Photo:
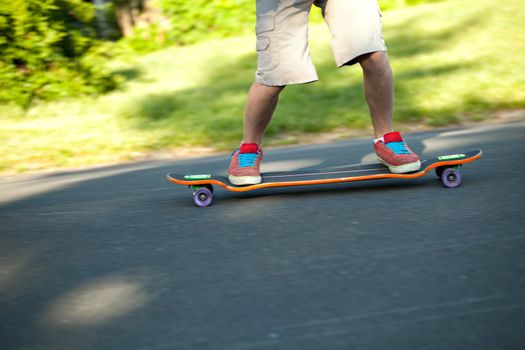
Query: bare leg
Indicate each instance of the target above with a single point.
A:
(258, 111)
(379, 90)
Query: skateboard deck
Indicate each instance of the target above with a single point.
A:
(446, 167)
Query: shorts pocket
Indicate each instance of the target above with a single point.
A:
(262, 43)
(267, 57)
(264, 54)
(264, 24)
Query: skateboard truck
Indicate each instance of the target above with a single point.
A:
(202, 193)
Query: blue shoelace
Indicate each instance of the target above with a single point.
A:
(398, 147)
(247, 159)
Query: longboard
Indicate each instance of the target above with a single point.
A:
(446, 168)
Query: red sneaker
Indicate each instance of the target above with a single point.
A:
(244, 165)
(393, 152)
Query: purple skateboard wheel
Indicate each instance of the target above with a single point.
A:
(202, 197)
(451, 177)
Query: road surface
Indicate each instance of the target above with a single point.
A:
(119, 258)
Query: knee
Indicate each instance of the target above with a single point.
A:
(278, 89)
(375, 62)
(267, 89)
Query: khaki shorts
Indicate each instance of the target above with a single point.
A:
(282, 37)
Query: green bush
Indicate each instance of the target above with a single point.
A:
(49, 51)
(144, 40)
(194, 20)
(393, 4)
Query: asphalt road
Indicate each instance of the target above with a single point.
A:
(119, 258)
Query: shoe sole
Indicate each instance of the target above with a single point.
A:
(401, 169)
(244, 180)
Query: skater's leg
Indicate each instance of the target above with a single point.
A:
(260, 105)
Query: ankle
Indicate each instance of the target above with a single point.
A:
(249, 148)
(379, 134)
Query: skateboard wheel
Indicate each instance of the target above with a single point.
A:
(451, 177)
(203, 197)
(441, 169)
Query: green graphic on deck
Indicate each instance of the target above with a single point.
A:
(451, 157)
(198, 177)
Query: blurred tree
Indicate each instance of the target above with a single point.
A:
(142, 24)
(102, 20)
(48, 51)
(195, 20)
(133, 13)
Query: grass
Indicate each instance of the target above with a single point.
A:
(452, 60)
